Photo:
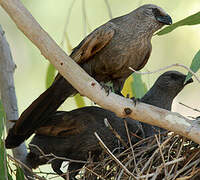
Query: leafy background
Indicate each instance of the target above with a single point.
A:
(33, 74)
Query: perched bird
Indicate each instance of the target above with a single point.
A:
(106, 54)
(71, 134)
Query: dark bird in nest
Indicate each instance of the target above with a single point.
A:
(106, 54)
(71, 134)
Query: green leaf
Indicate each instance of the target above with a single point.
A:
(79, 100)
(19, 174)
(2, 116)
(195, 65)
(68, 43)
(2, 161)
(138, 86)
(190, 20)
(51, 71)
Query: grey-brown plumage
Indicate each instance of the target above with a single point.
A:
(106, 54)
(71, 134)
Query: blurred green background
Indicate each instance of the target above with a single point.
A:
(179, 46)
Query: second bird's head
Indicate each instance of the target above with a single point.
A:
(172, 82)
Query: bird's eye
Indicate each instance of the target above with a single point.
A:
(156, 12)
(173, 76)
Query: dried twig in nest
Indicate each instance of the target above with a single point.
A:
(165, 157)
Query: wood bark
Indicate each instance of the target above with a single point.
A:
(7, 88)
(8, 95)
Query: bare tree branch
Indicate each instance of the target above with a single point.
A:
(88, 86)
(7, 89)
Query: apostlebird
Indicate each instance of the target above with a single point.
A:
(106, 54)
(71, 134)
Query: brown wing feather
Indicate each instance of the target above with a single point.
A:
(60, 125)
(92, 44)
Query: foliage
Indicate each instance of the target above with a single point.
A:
(139, 88)
(4, 173)
(2, 115)
(3, 161)
(51, 71)
(190, 20)
(79, 100)
(19, 174)
(195, 65)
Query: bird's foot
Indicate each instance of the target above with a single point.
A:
(119, 93)
(106, 87)
(135, 100)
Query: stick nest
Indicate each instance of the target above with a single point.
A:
(160, 157)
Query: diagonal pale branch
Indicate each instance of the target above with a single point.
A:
(88, 86)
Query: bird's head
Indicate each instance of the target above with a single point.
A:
(165, 89)
(172, 82)
(156, 13)
(154, 17)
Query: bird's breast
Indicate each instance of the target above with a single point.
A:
(121, 53)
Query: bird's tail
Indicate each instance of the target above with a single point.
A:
(36, 114)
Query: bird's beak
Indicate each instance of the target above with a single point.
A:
(189, 81)
(164, 19)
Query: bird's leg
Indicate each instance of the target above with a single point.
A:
(135, 100)
(108, 87)
(118, 86)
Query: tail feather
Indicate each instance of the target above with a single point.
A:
(34, 116)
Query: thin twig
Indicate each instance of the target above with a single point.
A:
(84, 19)
(155, 152)
(197, 110)
(161, 153)
(47, 156)
(179, 152)
(129, 139)
(115, 133)
(113, 157)
(25, 167)
(99, 176)
(67, 21)
(185, 168)
(167, 67)
(109, 9)
(174, 161)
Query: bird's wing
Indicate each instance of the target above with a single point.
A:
(61, 125)
(92, 44)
